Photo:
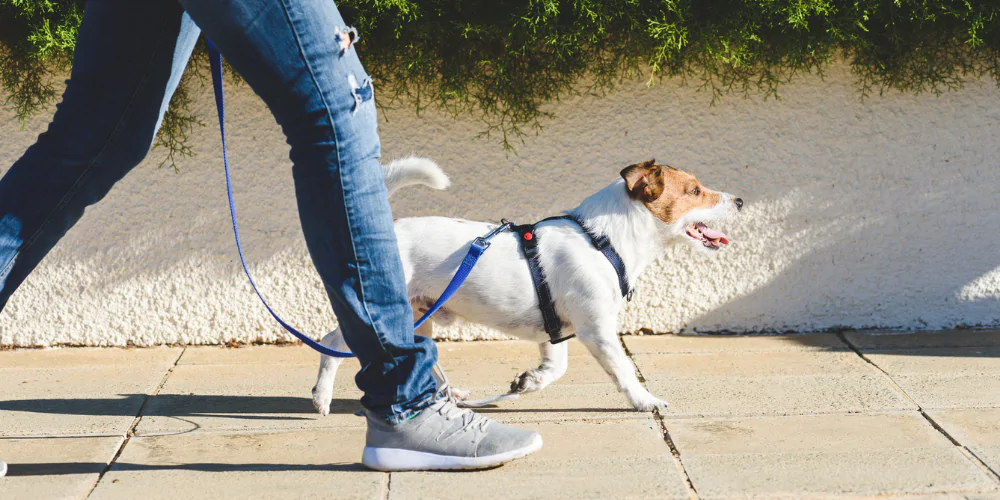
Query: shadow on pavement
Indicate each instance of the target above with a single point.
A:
(179, 405)
(68, 468)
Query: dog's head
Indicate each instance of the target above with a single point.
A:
(676, 198)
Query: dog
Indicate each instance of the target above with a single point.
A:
(650, 207)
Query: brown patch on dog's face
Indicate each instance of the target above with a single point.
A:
(667, 192)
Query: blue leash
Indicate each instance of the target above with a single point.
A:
(479, 245)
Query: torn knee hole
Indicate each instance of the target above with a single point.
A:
(346, 37)
(362, 93)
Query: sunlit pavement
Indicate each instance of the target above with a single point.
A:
(852, 414)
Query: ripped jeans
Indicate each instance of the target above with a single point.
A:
(297, 55)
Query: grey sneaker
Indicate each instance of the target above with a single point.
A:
(442, 437)
(3, 468)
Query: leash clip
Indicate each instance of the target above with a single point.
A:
(484, 241)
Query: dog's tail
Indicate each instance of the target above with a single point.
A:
(411, 171)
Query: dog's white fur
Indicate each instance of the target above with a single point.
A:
(499, 293)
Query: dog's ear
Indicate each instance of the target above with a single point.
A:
(644, 181)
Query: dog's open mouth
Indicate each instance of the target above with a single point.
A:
(709, 237)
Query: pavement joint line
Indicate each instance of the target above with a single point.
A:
(658, 416)
(135, 422)
(993, 475)
(386, 491)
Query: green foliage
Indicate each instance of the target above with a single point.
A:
(502, 60)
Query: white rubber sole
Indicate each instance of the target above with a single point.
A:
(3, 468)
(395, 460)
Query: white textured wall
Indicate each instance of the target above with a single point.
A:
(882, 213)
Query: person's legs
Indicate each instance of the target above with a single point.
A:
(289, 51)
(290, 54)
(129, 58)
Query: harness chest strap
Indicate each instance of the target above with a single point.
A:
(529, 247)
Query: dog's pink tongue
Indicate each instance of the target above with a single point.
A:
(713, 234)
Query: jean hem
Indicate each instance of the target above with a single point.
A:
(400, 415)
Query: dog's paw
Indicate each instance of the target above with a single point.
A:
(650, 404)
(321, 400)
(460, 394)
(528, 381)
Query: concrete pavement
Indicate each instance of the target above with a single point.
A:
(826, 415)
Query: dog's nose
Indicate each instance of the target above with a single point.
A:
(739, 203)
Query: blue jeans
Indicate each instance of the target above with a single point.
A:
(129, 59)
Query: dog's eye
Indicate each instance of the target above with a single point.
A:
(695, 192)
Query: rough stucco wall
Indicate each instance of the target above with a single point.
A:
(879, 213)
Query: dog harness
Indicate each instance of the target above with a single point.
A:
(528, 239)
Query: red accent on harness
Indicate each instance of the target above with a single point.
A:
(527, 236)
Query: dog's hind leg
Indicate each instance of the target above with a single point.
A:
(322, 392)
(604, 344)
(555, 359)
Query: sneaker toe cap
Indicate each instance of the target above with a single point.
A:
(508, 440)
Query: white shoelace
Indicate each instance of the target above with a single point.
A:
(447, 406)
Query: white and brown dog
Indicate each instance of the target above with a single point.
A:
(650, 207)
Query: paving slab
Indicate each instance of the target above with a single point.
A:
(911, 340)
(293, 354)
(945, 377)
(721, 396)
(208, 397)
(465, 370)
(767, 383)
(962, 360)
(65, 357)
(822, 454)
(873, 472)
(751, 364)
(76, 400)
(616, 459)
(54, 467)
(977, 429)
(585, 402)
(670, 344)
(298, 464)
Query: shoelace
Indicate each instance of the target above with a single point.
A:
(447, 406)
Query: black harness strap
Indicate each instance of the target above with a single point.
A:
(528, 240)
(529, 246)
(603, 243)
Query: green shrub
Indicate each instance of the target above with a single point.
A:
(502, 60)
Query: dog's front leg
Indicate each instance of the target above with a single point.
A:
(603, 343)
(555, 359)
(322, 392)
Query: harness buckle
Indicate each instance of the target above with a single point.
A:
(602, 242)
